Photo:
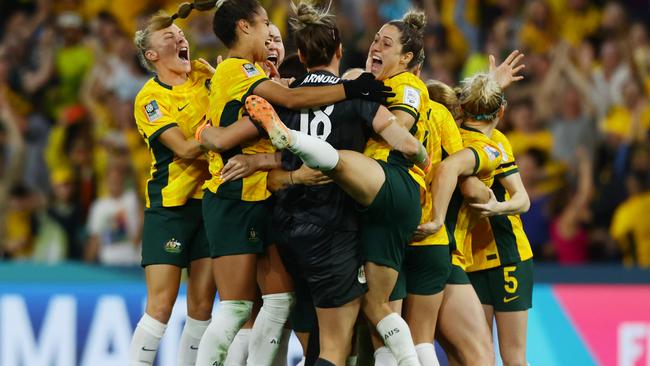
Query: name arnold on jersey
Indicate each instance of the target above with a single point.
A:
(321, 79)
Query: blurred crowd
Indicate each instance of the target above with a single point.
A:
(73, 166)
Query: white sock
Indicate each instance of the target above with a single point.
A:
(384, 357)
(351, 361)
(228, 319)
(397, 337)
(238, 351)
(302, 362)
(266, 334)
(190, 338)
(281, 356)
(427, 354)
(145, 341)
(314, 152)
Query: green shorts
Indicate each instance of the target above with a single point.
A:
(235, 227)
(174, 235)
(457, 276)
(427, 269)
(387, 225)
(506, 288)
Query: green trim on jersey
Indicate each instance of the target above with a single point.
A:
(477, 164)
(452, 216)
(166, 86)
(504, 236)
(505, 174)
(160, 131)
(163, 158)
(398, 107)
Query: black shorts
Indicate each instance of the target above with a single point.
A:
(329, 261)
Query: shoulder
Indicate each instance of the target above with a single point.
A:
(148, 91)
(238, 68)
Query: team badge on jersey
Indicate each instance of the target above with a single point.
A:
(491, 152)
(250, 70)
(173, 246)
(411, 97)
(153, 112)
(504, 155)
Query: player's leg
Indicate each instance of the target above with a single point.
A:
(201, 290)
(462, 323)
(383, 355)
(163, 264)
(278, 298)
(336, 326)
(231, 227)
(162, 289)
(427, 269)
(511, 329)
(513, 290)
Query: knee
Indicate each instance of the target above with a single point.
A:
(278, 305)
(200, 309)
(160, 310)
(515, 356)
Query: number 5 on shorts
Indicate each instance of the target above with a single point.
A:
(510, 280)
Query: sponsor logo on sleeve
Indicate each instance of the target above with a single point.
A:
(491, 152)
(152, 110)
(411, 97)
(250, 70)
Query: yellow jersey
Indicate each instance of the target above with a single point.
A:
(631, 231)
(158, 107)
(498, 240)
(412, 97)
(460, 218)
(437, 116)
(234, 80)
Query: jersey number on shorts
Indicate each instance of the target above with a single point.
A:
(511, 283)
(316, 122)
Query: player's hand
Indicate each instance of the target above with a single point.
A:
(506, 72)
(490, 208)
(309, 177)
(207, 64)
(426, 229)
(367, 87)
(239, 166)
(271, 71)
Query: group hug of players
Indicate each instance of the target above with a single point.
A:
(325, 203)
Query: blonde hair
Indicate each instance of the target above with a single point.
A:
(162, 20)
(444, 94)
(481, 97)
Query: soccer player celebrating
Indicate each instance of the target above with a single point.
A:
(168, 110)
(238, 211)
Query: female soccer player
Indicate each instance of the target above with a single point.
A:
(502, 266)
(385, 186)
(236, 212)
(168, 109)
(459, 328)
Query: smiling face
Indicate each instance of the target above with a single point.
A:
(385, 57)
(276, 46)
(169, 50)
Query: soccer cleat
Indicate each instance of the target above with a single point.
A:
(262, 113)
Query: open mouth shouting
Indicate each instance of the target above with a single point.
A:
(376, 64)
(273, 58)
(184, 54)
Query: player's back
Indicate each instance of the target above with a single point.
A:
(346, 125)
